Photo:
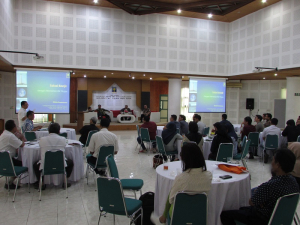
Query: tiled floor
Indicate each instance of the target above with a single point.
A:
(81, 207)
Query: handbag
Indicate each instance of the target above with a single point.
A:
(157, 160)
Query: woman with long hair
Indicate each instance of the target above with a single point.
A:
(169, 136)
(193, 135)
(194, 178)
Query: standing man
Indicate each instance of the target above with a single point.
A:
(28, 124)
(22, 113)
(259, 125)
(146, 112)
(184, 126)
(201, 125)
(84, 131)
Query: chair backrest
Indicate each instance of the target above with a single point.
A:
(225, 150)
(110, 195)
(271, 141)
(145, 135)
(105, 150)
(244, 141)
(189, 208)
(30, 135)
(138, 130)
(160, 145)
(284, 210)
(6, 165)
(246, 149)
(254, 137)
(89, 137)
(298, 139)
(206, 131)
(54, 162)
(65, 135)
(187, 142)
(112, 167)
(177, 130)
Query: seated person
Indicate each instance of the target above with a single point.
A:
(271, 130)
(90, 109)
(146, 112)
(51, 142)
(290, 131)
(28, 124)
(263, 200)
(264, 118)
(101, 113)
(184, 126)
(259, 125)
(201, 125)
(126, 110)
(103, 137)
(295, 148)
(228, 126)
(84, 131)
(169, 137)
(9, 142)
(152, 127)
(246, 127)
(268, 118)
(173, 119)
(193, 135)
(221, 137)
(194, 178)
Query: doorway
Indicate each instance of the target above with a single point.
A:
(163, 108)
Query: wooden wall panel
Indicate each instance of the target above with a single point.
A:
(157, 88)
(73, 100)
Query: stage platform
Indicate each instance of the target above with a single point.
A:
(114, 126)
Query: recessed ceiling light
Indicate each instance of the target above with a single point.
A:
(150, 78)
(73, 73)
(178, 10)
(112, 73)
(95, 1)
(264, 78)
(84, 75)
(144, 75)
(104, 76)
(275, 74)
(210, 15)
(133, 78)
(263, 1)
(182, 76)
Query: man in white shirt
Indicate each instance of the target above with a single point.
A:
(271, 130)
(201, 125)
(22, 113)
(9, 142)
(103, 137)
(51, 142)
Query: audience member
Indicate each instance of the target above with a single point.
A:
(264, 117)
(28, 124)
(146, 112)
(193, 135)
(221, 137)
(259, 125)
(295, 148)
(194, 178)
(264, 198)
(228, 126)
(201, 125)
(151, 126)
(9, 142)
(103, 137)
(290, 131)
(271, 130)
(246, 130)
(51, 142)
(298, 125)
(173, 119)
(22, 114)
(184, 126)
(101, 113)
(298, 121)
(268, 118)
(84, 131)
(169, 136)
(90, 109)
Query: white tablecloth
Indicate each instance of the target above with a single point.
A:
(159, 130)
(70, 132)
(30, 154)
(206, 147)
(224, 195)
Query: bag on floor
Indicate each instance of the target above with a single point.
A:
(157, 160)
(148, 208)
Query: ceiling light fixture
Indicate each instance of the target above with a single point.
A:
(133, 78)
(104, 76)
(182, 77)
(178, 10)
(144, 75)
(275, 74)
(150, 78)
(210, 15)
(73, 73)
(263, 1)
(112, 73)
(84, 75)
(95, 1)
(264, 78)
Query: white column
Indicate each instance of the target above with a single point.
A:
(174, 97)
(292, 101)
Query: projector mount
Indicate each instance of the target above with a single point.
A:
(36, 57)
(260, 69)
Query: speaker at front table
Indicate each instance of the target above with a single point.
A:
(250, 103)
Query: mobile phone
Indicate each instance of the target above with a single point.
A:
(224, 177)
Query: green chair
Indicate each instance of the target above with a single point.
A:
(284, 210)
(243, 144)
(65, 135)
(7, 169)
(189, 208)
(87, 143)
(145, 137)
(205, 131)
(111, 200)
(244, 141)
(127, 184)
(161, 148)
(242, 156)
(271, 143)
(54, 163)
(105, 150)
(225, 150)
(139, 136)
(254, 137)
(177, 131)
(298, 139)
(30, 136)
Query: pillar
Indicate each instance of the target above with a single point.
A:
(292, 98)
(174, 97)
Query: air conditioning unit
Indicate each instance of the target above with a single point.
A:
(234, 85)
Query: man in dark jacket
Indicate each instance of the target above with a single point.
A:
(84, 131)
(228, 126)
(291, 131)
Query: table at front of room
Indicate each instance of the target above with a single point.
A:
(224, 194)
(71, 134)
(31, 153)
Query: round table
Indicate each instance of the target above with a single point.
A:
(224, 194)
(71, 133)
(31, 153)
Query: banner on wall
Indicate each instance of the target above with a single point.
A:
(114, 98)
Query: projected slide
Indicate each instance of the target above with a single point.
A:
(45, 91)
(207, 95)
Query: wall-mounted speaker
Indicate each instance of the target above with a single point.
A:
(249, 103)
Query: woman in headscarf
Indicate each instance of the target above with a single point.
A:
(169, 136)
(193, 135)
(221, 137)
(295, 148)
